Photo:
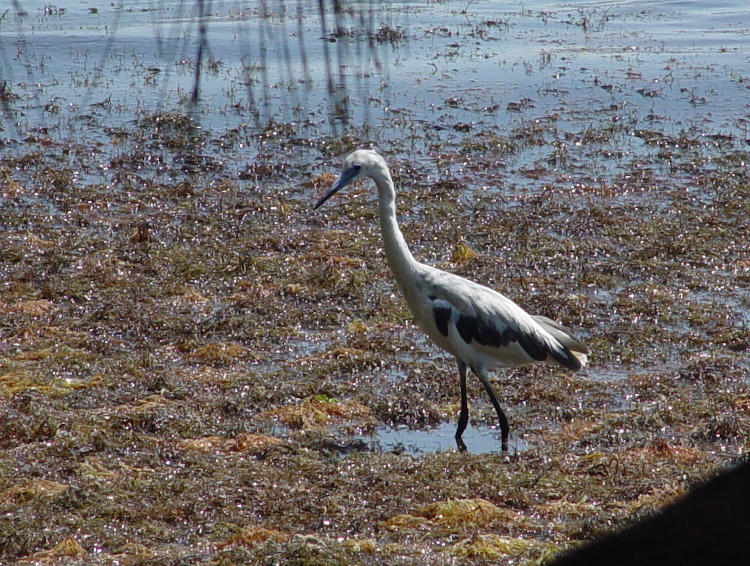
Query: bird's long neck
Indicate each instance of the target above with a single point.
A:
(401, 261)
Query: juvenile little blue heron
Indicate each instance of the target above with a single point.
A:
(479, 326)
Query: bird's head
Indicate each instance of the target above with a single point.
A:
(358, 165)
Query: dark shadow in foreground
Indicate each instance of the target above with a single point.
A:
(710, 525)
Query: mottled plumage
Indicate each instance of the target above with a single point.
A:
(479, 326)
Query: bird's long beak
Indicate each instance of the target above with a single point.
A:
(347, 176)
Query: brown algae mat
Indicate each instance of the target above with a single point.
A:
(188, 368)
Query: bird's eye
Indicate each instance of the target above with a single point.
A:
(356, 167)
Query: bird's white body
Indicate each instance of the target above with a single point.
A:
(480, 327)
(437, 289)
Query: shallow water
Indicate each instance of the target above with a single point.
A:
(81, 71)
(403, 439)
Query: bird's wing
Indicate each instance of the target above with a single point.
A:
(493, 320)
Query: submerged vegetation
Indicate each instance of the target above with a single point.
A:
(195, 368)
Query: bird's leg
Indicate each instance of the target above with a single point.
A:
(504, 428)
(463, 417)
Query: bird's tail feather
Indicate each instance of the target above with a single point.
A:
(577, 349)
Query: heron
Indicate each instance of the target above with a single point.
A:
(481, 328)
